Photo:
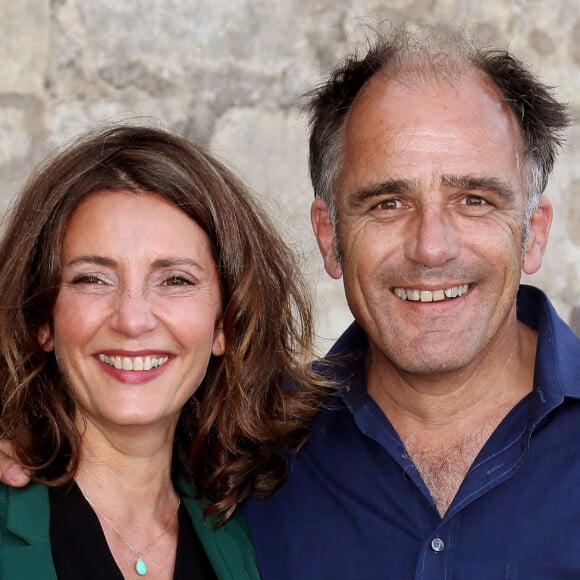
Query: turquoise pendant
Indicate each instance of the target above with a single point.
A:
(140, 566)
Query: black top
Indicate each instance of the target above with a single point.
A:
(80, 550)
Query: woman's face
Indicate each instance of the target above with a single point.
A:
(137, 316)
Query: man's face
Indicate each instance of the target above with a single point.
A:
(431, 208)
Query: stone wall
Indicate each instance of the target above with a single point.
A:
(229, 74)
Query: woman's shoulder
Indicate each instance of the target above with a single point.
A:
(24, 505)
(24, 533)
(33, 496)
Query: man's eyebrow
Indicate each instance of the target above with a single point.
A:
(402, 186)
(389, 187)
(477, 183)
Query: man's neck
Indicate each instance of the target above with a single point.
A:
(445, 420)
(502, 375)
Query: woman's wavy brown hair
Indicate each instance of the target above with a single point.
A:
(256, 401)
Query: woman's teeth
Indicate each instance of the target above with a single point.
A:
(134, 363)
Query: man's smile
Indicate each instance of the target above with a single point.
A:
(418, 295)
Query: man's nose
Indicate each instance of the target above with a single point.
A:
(433, 240)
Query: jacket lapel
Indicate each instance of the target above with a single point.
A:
(28, 520)
(228, 547)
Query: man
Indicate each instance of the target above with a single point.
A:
(453, 450)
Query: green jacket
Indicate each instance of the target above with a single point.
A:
(25, 552)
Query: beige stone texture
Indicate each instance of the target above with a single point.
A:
(24, 45)
(281, 182)
(229, 74)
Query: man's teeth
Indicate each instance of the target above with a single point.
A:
(430, 295)
(133, 363)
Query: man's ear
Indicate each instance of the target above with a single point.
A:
(538, 239)
(45, 338)
(324, 232)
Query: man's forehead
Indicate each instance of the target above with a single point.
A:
(431, 106)
(431, 133)
(428, 80)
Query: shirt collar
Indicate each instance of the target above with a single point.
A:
(557, 368)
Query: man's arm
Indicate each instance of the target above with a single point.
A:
(11, 472)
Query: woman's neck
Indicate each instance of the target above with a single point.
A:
(126, 478)
(125, 469)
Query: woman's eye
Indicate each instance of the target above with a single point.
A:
(87, 279)
(178, 281)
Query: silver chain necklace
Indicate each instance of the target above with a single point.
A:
(140, 565)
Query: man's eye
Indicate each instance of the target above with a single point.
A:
(473, 200)
(391, 203)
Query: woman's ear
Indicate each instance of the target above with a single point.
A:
(219, 340)
(45, 338)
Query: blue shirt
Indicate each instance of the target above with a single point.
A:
(355, 507)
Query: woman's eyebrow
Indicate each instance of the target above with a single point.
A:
(93, 260)
(173, 262)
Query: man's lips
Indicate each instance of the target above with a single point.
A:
(421, 295)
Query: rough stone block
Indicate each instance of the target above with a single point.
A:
(24, 45)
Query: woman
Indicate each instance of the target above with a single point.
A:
(149, 313)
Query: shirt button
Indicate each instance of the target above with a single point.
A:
(437, 544)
